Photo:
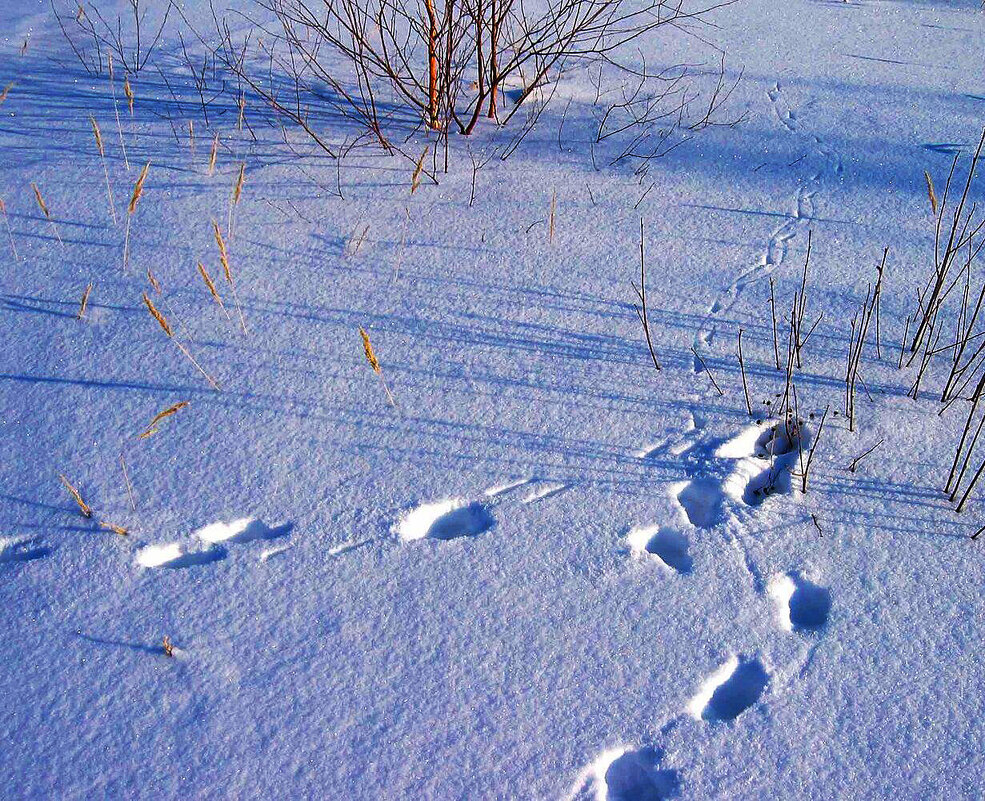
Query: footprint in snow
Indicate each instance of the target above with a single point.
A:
(453, 518)
(207, 544)
(803, 605)
(543, 490)
(701, 501)
(21, 549)
(627, 774)
(246, 529)
(730, 690)
(173, 556)
(668, 546)
(765, 455)
(445, 520)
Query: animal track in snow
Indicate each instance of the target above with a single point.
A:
(21, 549)
(730, 690)
(802, 212)
(651, 450)
(748, 468)
(627, 774)
(670, 547)
(701, 501)
(803, 605)
(177, 555)
(539, 489)
(445, 520)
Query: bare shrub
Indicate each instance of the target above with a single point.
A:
(390, 66)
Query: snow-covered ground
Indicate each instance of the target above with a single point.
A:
(548, 571)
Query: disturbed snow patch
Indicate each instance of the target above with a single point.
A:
(764, 455)
(545, 490)
(212, 537)
(445, 520)
(172, 555)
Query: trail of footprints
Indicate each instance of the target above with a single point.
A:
(629, 773)
(724, 477)
(727, 479)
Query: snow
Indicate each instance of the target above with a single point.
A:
(548, 570)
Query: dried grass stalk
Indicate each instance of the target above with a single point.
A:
(368, 349)
(212, 289)
(237, 193)
(41, 204)
(47, 214)
(84, 303)
(161, 319)
(152, 426)
(223, 253)
(239, 183)
(355, 241)
(128, 92)
(224, 260)
(123, 532)
(213, 154)
(126, 481)
(77, 497)
(931, 193)
(99, 136)
(102, 158)
(10, 233)
(550, 230)
(6, 91)
(166, 327)
(375, 363)
(116, 109)
(415, 180)
(138, 192)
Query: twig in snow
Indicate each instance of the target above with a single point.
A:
(641, 310)
(858, 459)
